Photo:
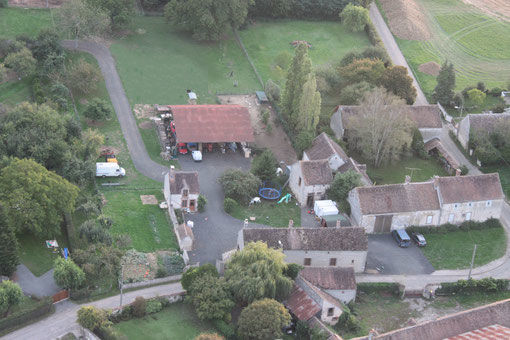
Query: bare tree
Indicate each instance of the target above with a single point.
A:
(381, 130)
(80, 20)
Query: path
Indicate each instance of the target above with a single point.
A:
(393, 50)
(136, 147)
(64, 318)
(43, 285)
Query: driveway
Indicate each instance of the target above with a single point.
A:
(215, 231)
(43, 285)
(385, 254)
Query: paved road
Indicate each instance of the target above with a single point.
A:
(41, 286)
(136, 147)
(394, 52)
(64, 318)
(454, 151)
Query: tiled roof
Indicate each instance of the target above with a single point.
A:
(334, 278)
(301, 305)
(316, 172)
(425, 116)
(351, 164)
(398, 198)
(184, 179)
(493, 332)
(323, 147)
(212, 123)
(436, 143)
(452, 325)
(487, 122)
(323, 239)
(473, 188)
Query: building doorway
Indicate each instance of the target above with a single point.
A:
(192, 205)
(383, 223)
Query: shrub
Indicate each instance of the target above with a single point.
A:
(448, 227)
(153, 306)
(98, 109)
(229, 205)
(139, 307)
(466, 90)
(496, 92)
(354, 17)
(178, 215)
(468, 287)
(202, 201)
(4, 3)
(378, 287)
(239, 185)
(193, 273)
(91, 317)
(347, 322)
(170, 264)
(106, 332)
(226, 329)
(273, 91)
(264, 116)
(464, 170)
(263, 319)
(373, 36)
(26, 315)
(67, 274)
(498, 108)
(264, 166)
(481, 86)
(293, 270)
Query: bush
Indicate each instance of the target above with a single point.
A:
(464, 170)
(170, 264)
(496, 92)
(178, 215)
(239, 185)
(202, 201)
(481, 86)
(193, 273)
(225, 329)
(273, 91)
(106, 332)
(153, 306)
(229, 205)
(98, 109)
(373, 36)
(4, 3)
(293, 270)
(498, 108)
(91, 317)
(466, 90)
(448, 227)
(468, 287)
(347, 322)
(378, 287)
(264, 116)
(25, 316)
(139, 307)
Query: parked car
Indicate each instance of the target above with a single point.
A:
(403, 240)
(419, 239)
(182, 148)
(109, 170)
(197, 155)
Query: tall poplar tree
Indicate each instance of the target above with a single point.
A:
(309, 105)
(443, 92)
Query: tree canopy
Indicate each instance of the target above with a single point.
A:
(35, 199)
(211, 298)
(264, 166)
(67, 274)
(355, 18)
(256, 272)
(80, 19)
(444, 90)
(343, 183)
(8, 246)
(10, 295)
(239, 185)
(263, 319)
(21, 62)
(396, 80)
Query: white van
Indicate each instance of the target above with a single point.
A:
(109, 170)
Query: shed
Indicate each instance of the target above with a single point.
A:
(325, 207)
(261, 96)
(331, 221)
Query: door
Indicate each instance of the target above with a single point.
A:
(383, 223)
(191, 205)
(309, 200)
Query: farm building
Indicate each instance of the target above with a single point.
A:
(182, 189)
(480, 123)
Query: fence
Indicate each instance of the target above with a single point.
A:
(446, 116)
(62, 295)
(152, 282)
(240, 42)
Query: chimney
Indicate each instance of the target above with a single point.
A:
(291, 223)
(457, 172)
(407, 180)
(338, 224)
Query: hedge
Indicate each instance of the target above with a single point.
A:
(378, 287)
(225, 329)
(448, 227)
(467, 287)
(19, 318)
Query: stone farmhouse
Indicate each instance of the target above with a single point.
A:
(312, 176)
(441, 200)
(426, 117)
(316, 291)
(484, 122)
(491, 321)
(313, 247)
(182, 189)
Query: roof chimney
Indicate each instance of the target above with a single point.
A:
(291, 223)
(407, 180)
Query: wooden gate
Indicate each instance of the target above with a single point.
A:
(62, 295)
(383, 223)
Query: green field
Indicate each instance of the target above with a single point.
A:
(330, 41)
(270, 213)
(178, 321)
(35, 255)
(157, 65)
(14, 92)
(396, 171)
(453, 250)
(476, 44)
(21, 21)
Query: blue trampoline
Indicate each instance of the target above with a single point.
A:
(270, 191)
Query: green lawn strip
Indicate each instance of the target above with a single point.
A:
(330, 41)
(178, 321)
(35, 255)
(453, 250)
(15, 92)
(504, 175)
(395, 172)
(151, 140)
(147, 225)
(157, 65)
(23, 21)
(469, 107)
(468, 301)
(270, 213)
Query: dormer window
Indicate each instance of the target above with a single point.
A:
(185, 192)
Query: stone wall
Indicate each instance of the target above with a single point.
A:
(354, 259)
(152, 282)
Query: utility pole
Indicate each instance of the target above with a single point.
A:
(472, 262)
(120, 285)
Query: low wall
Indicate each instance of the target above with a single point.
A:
(315, 322)
(152, 282)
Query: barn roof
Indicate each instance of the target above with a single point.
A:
(334, 278)
(212, 123)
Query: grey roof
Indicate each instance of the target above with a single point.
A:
(184, 179)
(473, 188)
(487, 122)
(316, 172)
(323, 147)
(334, 278)
(324, 239)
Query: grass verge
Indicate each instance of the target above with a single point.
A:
(270, 213)
(453, 250)
(23, 21)
(35, 255)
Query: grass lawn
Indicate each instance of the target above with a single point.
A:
(476, 44)
(270, 213)
(14, 92)
(454, 250)
(147, 225)
(17, 21)
(35, 255)
(266, 39)
(397, 171)
(178, 321)
(469, 107)
(157, 65)
(468, 301)
(504, 175)
(151, 140)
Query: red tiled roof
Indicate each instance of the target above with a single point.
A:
(316, 172)
(335, 278)
(301, 305)
(324, 147)
(212, 123)
(494, 332)
(471, 188)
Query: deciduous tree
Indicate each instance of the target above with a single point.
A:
(79, 19)
(35, 199)
(355, 17)
(10, 295)
(256, 272)
(396, 80)
(98, 109)
(83, 77)
(263, 319)
(309, 106)
(120, 12)
(100, 263)
(369, 70)
(444, 90)
(381, 129)
(211, 298)
(239, 185)
(67, 274)
(22, 62)
(8, 246)
(476, 96)
(353, 94)
(343, 183)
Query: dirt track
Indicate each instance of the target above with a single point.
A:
(496, 8)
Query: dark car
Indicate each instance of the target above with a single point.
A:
(401, 238)
(419, 239)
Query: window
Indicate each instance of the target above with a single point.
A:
(455, 206)
(331, 311)
(299, 182)
(451, 218)
(352, 262)
(308, 261)
(468, 216)
(470, 204)
(429, 219)
(332, 261)
(488, 203)
(185, 192)
(184, 204)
